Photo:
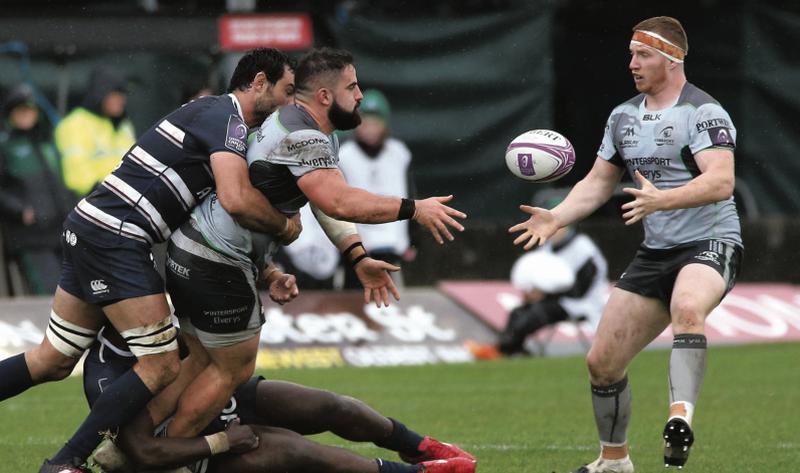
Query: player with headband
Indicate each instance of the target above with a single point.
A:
(677, 143)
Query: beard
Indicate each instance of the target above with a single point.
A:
(341, 119)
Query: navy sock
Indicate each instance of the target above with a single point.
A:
(401, 440)
(385, 466)
(15, 375)
(118, 404)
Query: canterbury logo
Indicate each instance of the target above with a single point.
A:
(98, 286)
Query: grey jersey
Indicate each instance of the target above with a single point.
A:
(661, 145)
(286, 146)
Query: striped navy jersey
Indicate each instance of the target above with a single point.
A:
(166, 173)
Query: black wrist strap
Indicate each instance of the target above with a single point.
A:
(407, 209)
(359, 258)
(352, 247)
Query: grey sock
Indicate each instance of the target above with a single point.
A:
(612, 411)
(687, 367)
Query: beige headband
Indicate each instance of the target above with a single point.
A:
(661, 44)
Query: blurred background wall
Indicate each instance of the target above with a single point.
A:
(464, 77)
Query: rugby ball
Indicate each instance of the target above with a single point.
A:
(540, 156)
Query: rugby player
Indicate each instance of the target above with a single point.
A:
(108, 271)
(677, 142)
(293, 159)
(276, 415)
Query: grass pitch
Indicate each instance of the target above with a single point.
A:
(522, 415)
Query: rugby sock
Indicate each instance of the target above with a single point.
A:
(612, 410)
(687, 368)
(401, 440)
(15, 375)
(116, 406)
(385, 466)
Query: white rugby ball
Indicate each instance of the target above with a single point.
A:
(540, 156)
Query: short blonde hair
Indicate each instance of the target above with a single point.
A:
(668, 27)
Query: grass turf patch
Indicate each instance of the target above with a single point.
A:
(521, 415)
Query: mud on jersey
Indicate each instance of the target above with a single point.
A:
(661, 145)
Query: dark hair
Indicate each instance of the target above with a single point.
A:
(667, 27)
(270, 61)
(316, 67)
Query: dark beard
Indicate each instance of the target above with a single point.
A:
(341, 119)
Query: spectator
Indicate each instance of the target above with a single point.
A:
(33, 199)
(374, 161)
(564, 279)
(95, 136)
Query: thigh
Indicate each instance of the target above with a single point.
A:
(291, 406)
(698, 289)
(629, 323)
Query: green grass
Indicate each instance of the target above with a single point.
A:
(531, 415)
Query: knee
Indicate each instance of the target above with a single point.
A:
(687, 317)
(602, 370)
(49, 365)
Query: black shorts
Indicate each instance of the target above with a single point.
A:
(652, 273)
(106, 268)
(215, 293)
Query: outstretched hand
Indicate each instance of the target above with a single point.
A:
(433, 214)
(646, 200)
(538, 228)
(374, 276)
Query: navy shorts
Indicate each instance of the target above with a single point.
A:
(105, 268)
(652, 273)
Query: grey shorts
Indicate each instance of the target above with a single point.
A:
(214, 296)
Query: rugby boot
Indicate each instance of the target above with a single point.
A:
(451, 465)
(432, 449)
(678, 439)
(48, 467)
(604, 465)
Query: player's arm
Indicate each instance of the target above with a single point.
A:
(244, 202)
(373, 274)
(585, 197)
(715, 183)
(327, 189)
(150, 452)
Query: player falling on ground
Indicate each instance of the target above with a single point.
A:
(274, 416)
(108, 272)
(212, 261)
(677, 142)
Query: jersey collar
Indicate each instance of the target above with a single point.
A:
(237, 105)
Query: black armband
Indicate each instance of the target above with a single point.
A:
(408, 208)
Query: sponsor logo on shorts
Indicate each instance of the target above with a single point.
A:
(177, 269)
(709, 256)
(226, 316)
(236, 138)
(70, 238)
(98, 286)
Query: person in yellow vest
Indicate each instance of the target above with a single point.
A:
(95, 136)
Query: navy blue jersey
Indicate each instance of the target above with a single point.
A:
(166, 173)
